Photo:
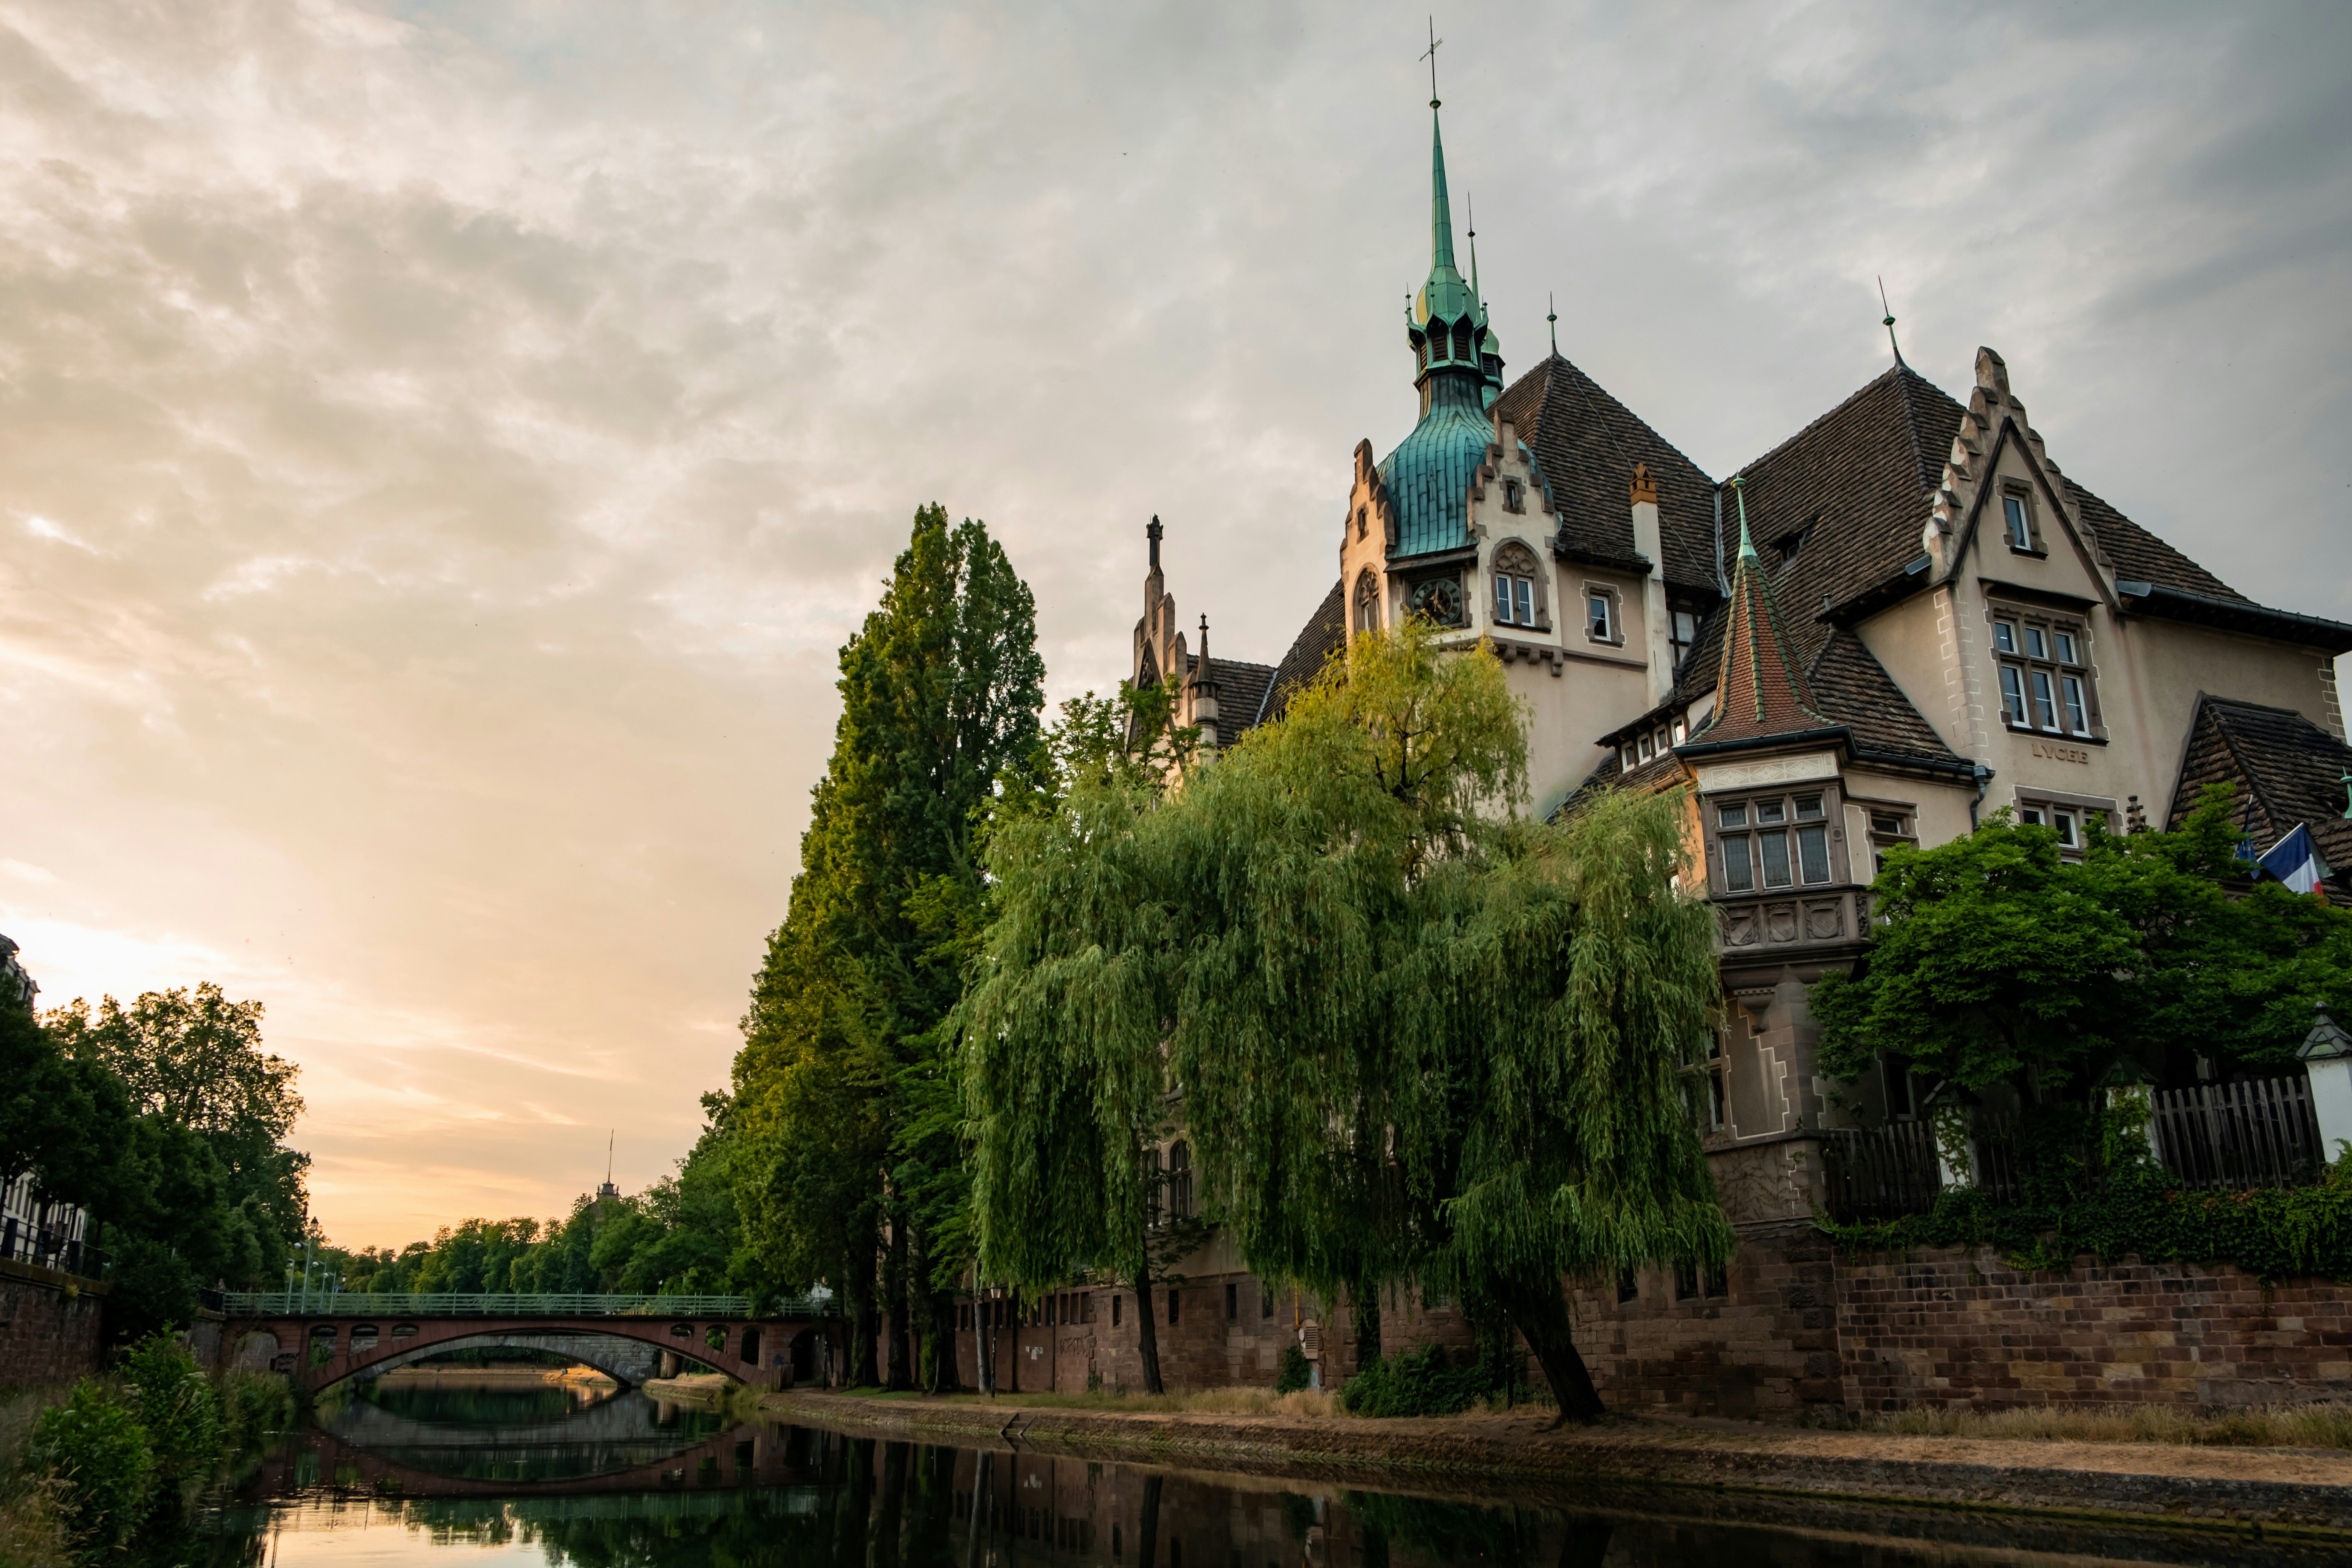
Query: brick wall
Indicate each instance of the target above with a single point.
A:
(52, 1327)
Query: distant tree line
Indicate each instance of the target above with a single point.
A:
(167, 1119)
(677, 1237)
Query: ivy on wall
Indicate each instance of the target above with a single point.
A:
(2274, 1233)
(2090, 1187)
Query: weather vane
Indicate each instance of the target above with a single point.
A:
(1889, 324)
(1431, 58)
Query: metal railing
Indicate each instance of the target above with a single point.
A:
(1883, 1173)
(47, 1248)
(453, 1304)
(2260, 1132)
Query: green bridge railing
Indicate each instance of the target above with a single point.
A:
(353, 1304)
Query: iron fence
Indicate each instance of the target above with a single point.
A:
(453, 1304)
(2260, 1132)
(47, 1247)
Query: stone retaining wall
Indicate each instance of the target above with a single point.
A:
(52, 1326)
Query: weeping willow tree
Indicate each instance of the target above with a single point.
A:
(1412, 1035)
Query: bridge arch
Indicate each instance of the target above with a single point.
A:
(626, 1349)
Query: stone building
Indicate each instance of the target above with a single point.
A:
(1902, 618)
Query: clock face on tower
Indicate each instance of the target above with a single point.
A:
(1439, 598)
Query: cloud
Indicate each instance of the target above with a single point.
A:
(448, 442)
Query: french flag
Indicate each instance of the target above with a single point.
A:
(2295, 861)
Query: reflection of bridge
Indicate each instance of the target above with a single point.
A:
(651, 1464)
(321, 1339)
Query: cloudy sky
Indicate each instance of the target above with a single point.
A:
(441, 447)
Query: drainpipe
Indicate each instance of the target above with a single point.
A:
(1984, 777)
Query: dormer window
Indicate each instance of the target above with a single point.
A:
(1682, 633)
(1641, 748)
(2017, 522)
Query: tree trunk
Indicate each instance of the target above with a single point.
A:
(947, 1377)
(864, 1329)
(1146, 1549)
(1147, 1333)
(1543, 1316)
(1364, 1303)
(898, 1375)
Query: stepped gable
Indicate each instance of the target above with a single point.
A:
(1761, 689)
(1587, 444)
(2287, 766)
(1325, 633)
(1240, 692)
(2139, 556)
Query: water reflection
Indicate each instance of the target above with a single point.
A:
(644, 1486)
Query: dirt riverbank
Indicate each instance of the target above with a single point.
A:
(2300, 1491)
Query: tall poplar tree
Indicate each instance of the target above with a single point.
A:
(1411, 1033)
(841, 1173)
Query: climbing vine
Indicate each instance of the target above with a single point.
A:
(2141, 1208)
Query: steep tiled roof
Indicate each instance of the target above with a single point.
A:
(1855, 690)
(1241, 691)
(1326, 632)
(1851, 491)
(2285, 765)
(2140, 556)
(1588, 443)
(1660, 772)
(1760, 685)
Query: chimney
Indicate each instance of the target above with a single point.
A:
(1648, 543)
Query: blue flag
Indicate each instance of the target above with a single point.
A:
(2295, 860)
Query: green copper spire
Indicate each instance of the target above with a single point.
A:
(1747, 545)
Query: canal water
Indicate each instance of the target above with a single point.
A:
(455, 1474)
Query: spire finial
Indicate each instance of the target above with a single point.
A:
(1889, 324)
(1153, 533)
(1478, 298)
(1205, 648)
(1431, 58)
(1551, 314)
(1739, 494)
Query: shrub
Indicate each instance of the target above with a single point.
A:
(253, 1405)
(179, 1409)
(99, 1450)
(1294, 1373)
(1423, 1383)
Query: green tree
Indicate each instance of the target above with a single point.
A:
(1998, 959)
(1415, 1036)
(837, 1088)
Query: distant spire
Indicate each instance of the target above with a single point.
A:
(1889, 324)
(1205, 648)
(1151, 532)
(1551, 310)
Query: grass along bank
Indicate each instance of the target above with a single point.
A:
(2327, 1425)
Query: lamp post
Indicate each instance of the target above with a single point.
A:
(2327, 1056)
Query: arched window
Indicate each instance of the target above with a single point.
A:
(1368, 603)
(1519, 596)
(1179, 1180)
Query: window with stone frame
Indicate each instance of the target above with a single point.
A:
(1890, 826)
(1704, 1081)
(1368, 603)
(1179, 1180)
(1769, 842)
(2019, 525)
(1603, 622)
(1514, 496)
(1519, 596)
(2043, 657)
(2069, 820)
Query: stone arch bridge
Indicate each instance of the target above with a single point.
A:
(321, 1340)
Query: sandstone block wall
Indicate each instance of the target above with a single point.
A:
(52, 1327)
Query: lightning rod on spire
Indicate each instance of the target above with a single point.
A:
(1551, 314)
(1889, 324)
